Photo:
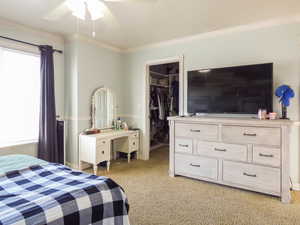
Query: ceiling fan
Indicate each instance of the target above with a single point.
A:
(84, 9)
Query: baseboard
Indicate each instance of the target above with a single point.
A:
(84, 166)
(296, 187)
(158, 146)
(73, 166)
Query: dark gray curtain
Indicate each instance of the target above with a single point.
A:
(47, 146)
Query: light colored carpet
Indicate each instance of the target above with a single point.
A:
(156, 198)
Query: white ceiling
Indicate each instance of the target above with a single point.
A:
(134, 24)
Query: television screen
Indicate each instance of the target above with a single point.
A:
(232, 90)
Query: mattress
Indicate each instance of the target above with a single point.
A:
(36, 192)
(18, 162)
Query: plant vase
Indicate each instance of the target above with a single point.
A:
(284, 112)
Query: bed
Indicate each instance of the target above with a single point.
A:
(35, 192)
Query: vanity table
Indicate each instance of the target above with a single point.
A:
(97, 148)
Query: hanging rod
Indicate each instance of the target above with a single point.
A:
(27, 43)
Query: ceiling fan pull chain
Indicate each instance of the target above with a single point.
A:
(94, 29)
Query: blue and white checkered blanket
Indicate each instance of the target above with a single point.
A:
(56, 195)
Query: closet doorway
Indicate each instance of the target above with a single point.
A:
(164, 99)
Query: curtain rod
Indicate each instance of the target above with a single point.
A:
(27, 43)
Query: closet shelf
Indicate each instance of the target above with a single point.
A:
(162, 76)
(159, 74)
(159, 85)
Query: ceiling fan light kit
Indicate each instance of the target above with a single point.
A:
(80, 8)
(86, 10)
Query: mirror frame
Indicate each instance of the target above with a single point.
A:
(93, 108)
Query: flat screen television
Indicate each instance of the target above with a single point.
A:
(231, 90)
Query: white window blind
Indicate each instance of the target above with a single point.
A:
(19, 96)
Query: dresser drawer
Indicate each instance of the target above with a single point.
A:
(252, 176)
(199, 131)
(196, 167)
(251, 135)
(184, 145)
(267, 156)
(221, 150)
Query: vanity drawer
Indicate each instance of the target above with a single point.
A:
(196, 167)
(220, 150)
(251, 135)
(134, 135)
(102, 153)
(199, 131)
(252, 176)
(134, 143)
(267, 156)
(184, 145)
(100, 142)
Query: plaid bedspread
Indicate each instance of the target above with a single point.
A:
(56, 195)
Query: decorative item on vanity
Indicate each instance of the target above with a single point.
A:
(91, 131)
(284, 93)
(124, 126)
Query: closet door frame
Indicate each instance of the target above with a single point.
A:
(145, 154)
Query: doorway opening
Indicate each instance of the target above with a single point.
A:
(163, 102)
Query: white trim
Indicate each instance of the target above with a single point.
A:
(57, 38)
(130, 116)
(74, 118)
(37, 31)
(224, 31)
(98, 43)
(18, 49)
(18, 143)
(146, 139)
(71, 165)
(296, 187)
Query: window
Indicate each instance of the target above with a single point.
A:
(19, 96)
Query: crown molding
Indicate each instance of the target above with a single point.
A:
(49, 36)
(101, 44)
(230, 30)
(53, 37)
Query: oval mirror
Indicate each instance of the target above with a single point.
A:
(102, 108)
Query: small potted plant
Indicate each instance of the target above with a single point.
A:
(284, 93)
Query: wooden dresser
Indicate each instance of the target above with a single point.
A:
(246, 153)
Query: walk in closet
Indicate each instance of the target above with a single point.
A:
(164, 101)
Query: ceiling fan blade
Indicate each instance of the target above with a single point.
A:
(58, 12)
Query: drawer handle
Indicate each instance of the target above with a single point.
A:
(102, 152)
(220, 150)
(133, 143)
(103, 142)
(265, 155)
(185, 146)
(249, 175)
(194, 165)
(196, 131)
(251, 135)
